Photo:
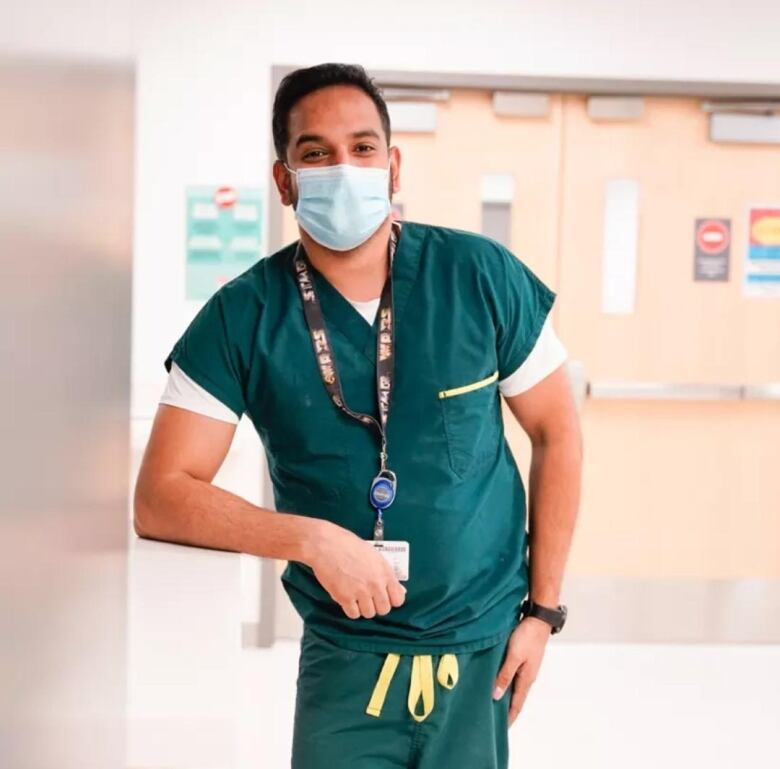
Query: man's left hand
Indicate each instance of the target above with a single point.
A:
(524, 653)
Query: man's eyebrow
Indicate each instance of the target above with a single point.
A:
(365, 132)
(303, 138)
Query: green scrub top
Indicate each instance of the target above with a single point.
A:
(465, 309)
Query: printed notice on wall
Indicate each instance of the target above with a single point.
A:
(762, 262)
(712, 241)
(223, 236)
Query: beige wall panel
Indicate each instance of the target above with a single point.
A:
(675, 490)
(681, 330)
(671, 489)
(680, 498)
(441, 173)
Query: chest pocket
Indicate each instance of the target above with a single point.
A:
(472, 423)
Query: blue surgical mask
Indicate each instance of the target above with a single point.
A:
(342, 206)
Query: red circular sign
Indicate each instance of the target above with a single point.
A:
(712, 236)
(225, 197)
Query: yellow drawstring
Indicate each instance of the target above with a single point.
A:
(380, 690)
(448, 670)
(420, 685)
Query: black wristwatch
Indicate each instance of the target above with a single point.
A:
(554, 617)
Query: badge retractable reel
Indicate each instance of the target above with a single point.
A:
(381, 496)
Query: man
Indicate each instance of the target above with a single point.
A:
(371, 356)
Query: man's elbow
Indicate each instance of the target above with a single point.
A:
(143, 511)
(139, 527)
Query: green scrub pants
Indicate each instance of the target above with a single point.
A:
(370, 710)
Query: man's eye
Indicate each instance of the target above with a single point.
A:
(310, 154)
(364, 146)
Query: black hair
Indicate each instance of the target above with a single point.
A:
(301, 82)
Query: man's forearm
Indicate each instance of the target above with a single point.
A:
(554, 493)
(185, 510)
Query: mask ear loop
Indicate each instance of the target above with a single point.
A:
(390, 176)
(292, 171)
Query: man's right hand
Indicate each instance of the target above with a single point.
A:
(355, 575)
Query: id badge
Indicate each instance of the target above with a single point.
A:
(396, 553)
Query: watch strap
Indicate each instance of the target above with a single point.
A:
(556, 618)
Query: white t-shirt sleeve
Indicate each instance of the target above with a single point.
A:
(184, 392)
(548, 354)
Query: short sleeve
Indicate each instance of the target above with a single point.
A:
(209, 355)
(547, 355)
(184, 393)
(523, 304)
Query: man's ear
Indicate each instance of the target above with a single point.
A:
(283, 181)
(395, 169)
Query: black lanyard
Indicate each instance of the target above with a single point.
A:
(383, 487)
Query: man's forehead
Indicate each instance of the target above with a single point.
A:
(343, 108)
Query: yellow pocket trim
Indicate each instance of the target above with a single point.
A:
(469, 387)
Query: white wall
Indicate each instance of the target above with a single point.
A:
(687, 39)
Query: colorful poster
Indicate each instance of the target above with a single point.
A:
(223, 236)
(762, 263)
(712, 244)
